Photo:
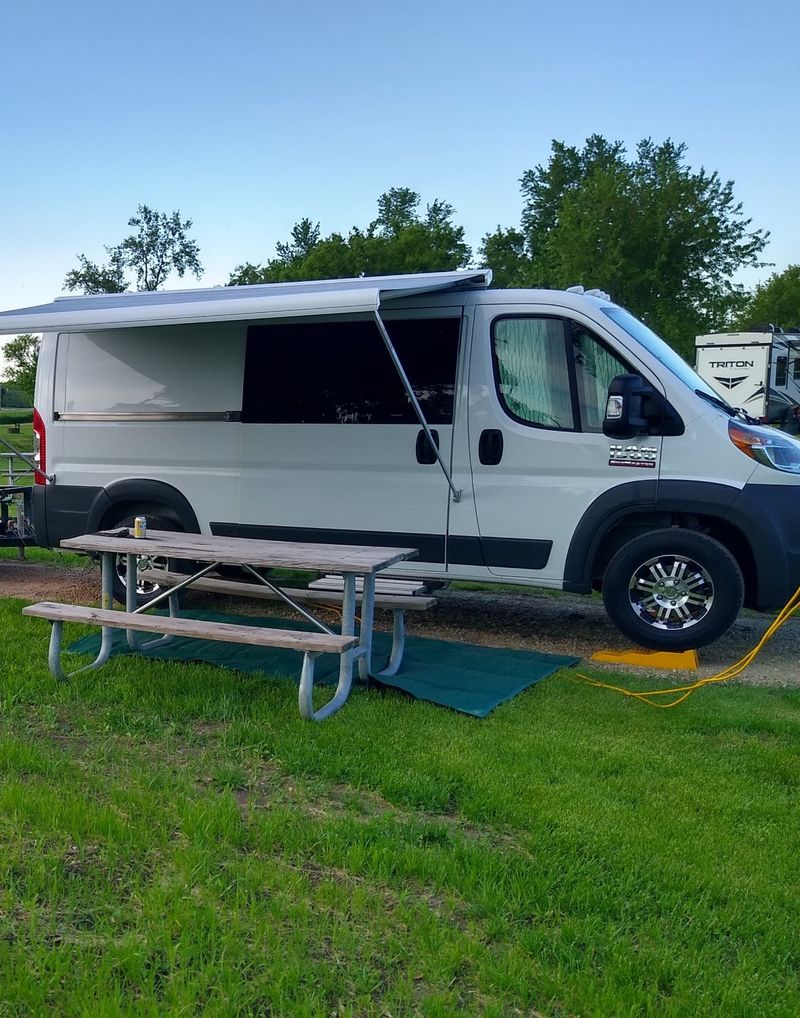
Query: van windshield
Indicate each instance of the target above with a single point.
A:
(660, 350)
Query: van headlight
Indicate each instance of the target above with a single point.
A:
(766, 446)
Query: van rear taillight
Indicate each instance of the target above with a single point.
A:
(39, 449)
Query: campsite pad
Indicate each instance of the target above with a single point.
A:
(470, 679)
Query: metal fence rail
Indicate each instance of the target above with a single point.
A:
(14, 468)
(16, 478)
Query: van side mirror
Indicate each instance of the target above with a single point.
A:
(631, 407)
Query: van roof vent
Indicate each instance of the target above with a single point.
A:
(589, 293)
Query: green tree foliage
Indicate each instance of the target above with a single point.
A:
(776, 301)
(505, 253)
(662, 239)
(21, 354)
(399, 239)
(160, 245)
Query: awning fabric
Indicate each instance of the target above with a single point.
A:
(232, 303)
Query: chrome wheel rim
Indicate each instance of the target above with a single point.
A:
(671, 592)
(144, 588)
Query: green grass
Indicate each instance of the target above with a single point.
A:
(55, 557)
(174, 840)
(8, 422)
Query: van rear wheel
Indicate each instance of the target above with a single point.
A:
(673, 589)
(146, 590)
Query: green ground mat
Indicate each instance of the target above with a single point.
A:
(470, 679)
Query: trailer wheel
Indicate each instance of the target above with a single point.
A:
(673, 589)
(146, 590)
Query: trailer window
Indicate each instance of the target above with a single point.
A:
(341, 373)
(781, 371)
(796, 369)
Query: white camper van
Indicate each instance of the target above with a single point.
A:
(758, 370)
(538, 437)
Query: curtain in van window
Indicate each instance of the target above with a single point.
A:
(595, 367)
(532, 376)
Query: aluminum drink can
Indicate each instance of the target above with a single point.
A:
(140, 526)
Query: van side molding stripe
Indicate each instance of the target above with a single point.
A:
(509, 553)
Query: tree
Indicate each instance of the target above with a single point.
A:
(21, 354)
(159, 246)
(504, 252)
(398, 240)
(662, 239)
(776, 301)
(305, 237)
(94, 278)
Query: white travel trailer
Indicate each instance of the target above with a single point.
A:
(539, 437)
(757, 370)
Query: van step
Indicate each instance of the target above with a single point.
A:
(383, 585)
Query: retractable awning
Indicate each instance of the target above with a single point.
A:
(231, 303)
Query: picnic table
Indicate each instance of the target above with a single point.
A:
(353, 644)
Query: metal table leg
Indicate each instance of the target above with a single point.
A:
(170, 595)
(398, 644)
(107, 637)
(366, 627)
(345, 666)
(134, 639)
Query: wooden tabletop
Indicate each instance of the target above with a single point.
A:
(337, 558)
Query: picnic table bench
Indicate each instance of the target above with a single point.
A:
(348, 560)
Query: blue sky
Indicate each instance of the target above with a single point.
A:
(248, 116)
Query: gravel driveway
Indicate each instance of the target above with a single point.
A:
(558, 623)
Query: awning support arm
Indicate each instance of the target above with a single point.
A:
(27, 459)
(415, 403)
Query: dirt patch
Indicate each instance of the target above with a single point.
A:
(35, 581)
(557, 624)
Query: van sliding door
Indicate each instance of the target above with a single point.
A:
(332, 450)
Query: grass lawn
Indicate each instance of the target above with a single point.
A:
(174, 840)
(23, 440)
(49, 557)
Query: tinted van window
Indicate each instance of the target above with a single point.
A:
(341, 373)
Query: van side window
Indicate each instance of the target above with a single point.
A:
(341, 373)
(531, 371)
(553, 373)
(595, 367)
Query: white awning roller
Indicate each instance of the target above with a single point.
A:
(233, 303)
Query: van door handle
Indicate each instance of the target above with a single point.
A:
(490, 447)
(424, 452)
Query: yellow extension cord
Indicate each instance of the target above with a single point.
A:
(788, 610)
(783, 615)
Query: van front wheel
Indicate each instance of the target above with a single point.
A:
(673, 589)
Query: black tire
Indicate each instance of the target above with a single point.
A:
(146, 590)
(673, 589)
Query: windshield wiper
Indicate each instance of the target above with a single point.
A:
(733, 411)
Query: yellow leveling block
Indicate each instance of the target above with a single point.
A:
(685, 660)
